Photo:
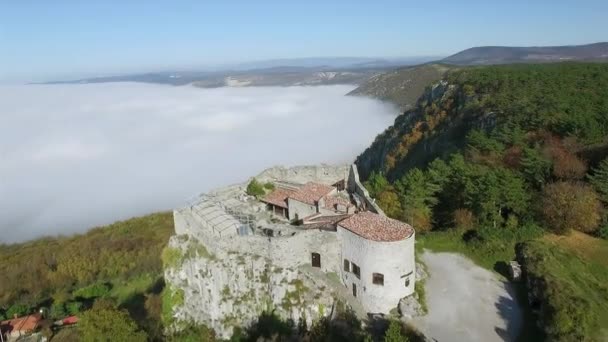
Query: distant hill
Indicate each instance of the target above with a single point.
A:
(485, 55)
(402, 86)
(283, 72)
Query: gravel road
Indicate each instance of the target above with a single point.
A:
(466, 302)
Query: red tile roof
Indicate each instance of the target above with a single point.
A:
(376, 227)
(311, 192)
(332, 201)
(278, 197)
(23, 324)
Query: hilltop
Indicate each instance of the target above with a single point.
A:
(486, 55)
(403, 86)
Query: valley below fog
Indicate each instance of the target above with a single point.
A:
(76, 156)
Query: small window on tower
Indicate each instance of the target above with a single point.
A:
(407, 282)
(346, 265)
(356, 270)
(378, 279)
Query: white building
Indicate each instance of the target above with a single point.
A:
(377, 252)
(321, 219)
(378, 263)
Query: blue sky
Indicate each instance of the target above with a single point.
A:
(44, 39)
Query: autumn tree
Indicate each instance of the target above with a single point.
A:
(568, 206)
(388, 200)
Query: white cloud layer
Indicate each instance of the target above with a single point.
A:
(76, 156)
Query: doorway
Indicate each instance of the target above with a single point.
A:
(316, 260)
(354, 290)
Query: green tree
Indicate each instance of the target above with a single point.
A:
(496, 193)
(104, 322)
(255, 188)
(417, 199)
(58, 311)
(394, 333)
(17, 310)
(388, 200)
(568, 206)
(535, 167)
(599, 180)
(73, 307)
(376, 183)
(92, 291)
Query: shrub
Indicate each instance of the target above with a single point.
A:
(568, 206)
(269, 186)
(171, 257)
(255, 188)
(394, 333)
(73, 307)
(58, 311)
(18, 310)
(463, 219)
(92, 291)
(602, 232)
(104, 320)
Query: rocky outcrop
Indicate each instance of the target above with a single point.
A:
(402, 86)
(232, 289)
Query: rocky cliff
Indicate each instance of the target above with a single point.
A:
(402, 86)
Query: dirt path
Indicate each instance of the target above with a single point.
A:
(467, 302)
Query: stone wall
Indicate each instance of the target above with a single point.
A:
(354, 186)
(300, 209)
(327, 174)
(237, 277)
(395, 260)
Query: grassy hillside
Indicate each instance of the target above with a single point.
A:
(119, 263)
(571, 284)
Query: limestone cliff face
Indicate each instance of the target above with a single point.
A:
(232, 289)
(435, 127)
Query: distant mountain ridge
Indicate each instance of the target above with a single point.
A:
(403, 86)
(280, 72)
(485, 55)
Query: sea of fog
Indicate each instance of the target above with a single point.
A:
(76, 156)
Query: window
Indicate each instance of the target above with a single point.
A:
(316, 260)
(378, 279)
(407, 278)
(356, 270)
(346, 265)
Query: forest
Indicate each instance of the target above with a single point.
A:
(110, 277)
(508, 156)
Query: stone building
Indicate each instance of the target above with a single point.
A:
(317, 238)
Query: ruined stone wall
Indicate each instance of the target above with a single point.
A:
(236, 278)
(355, 186)
(326, 174)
